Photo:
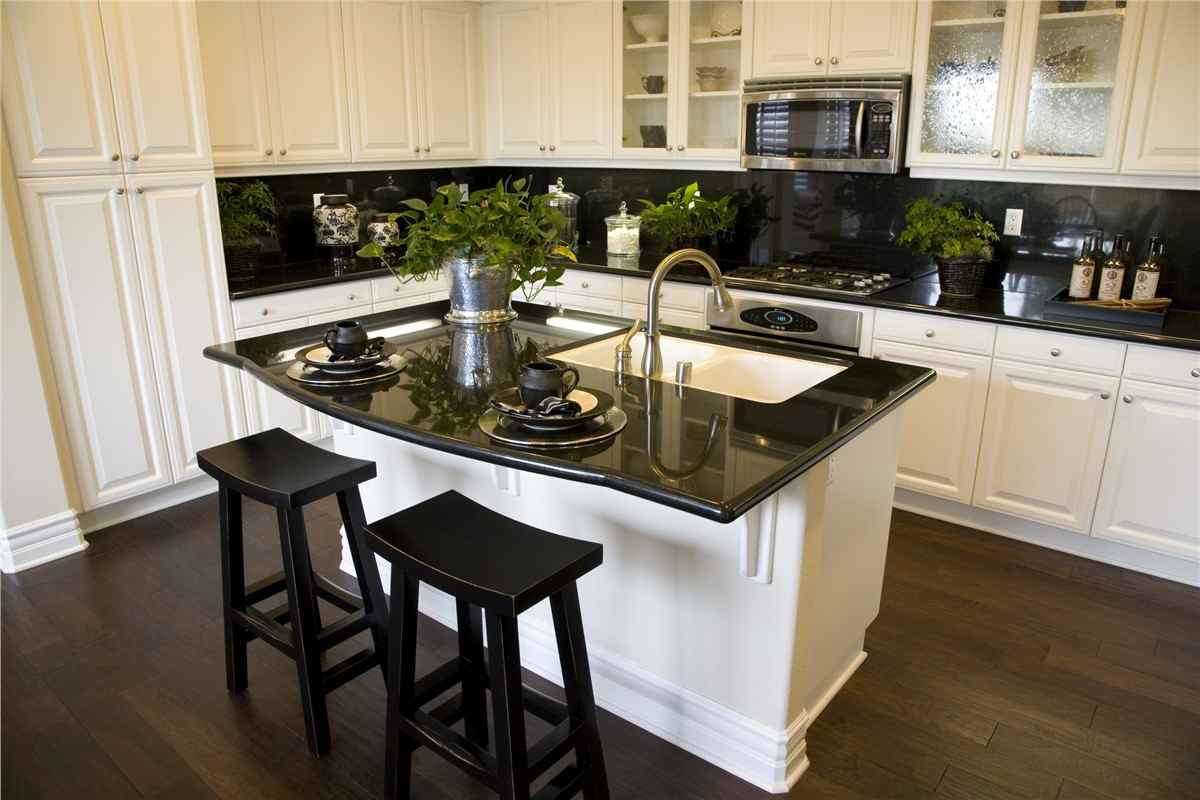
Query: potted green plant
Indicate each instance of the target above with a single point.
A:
(959, 239)
(492, 242)
(686, 219)
(247, 210)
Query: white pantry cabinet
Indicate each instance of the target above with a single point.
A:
(381, 85)
(832, 37)
(94, 88)
(182, 274)
(1044, 439)
(549, 72)
(447, 50)
(1164, 114)
(1148, 497)
(83, 251)
(939, 445)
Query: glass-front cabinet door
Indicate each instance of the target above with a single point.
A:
(965, 64)
(1073, 83)
(644, 91)
(710, 72)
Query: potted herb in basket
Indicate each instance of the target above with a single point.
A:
(959, 239)
(492, 242)
(247, 210)
(686, 219)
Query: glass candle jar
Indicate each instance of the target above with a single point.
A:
(567, 204)
(624, 232)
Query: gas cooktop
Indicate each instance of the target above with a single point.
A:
(836, 277)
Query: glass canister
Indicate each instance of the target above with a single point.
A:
(567, 204)
(624, 232)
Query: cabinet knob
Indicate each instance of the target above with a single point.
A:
(818, 61)
(1054, 351)
(1196, 372)
(141, 190)
(541, 147)
(833, 60)
(929, 333)
(395, 290)
(134, 157)
(996, 153)
(1015, 154)
(1105, 395)
(350, 297)
(426, 148)
(670, 147)
(283, 151)
(264, 312)
(681, 148)
(269, 151)
(116, 156)
(120, 190)
(584, 284)
(553, 148)
(1127, 398)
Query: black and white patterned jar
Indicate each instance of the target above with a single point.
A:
(383, 232)
(335, 221)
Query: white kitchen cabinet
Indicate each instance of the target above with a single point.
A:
(835, 38)
(1148, 497)
(266, 408)
(154, 56)
(1071, 116)
(670, 316)
(382, 80)
(235, 82)
(182, 274)
(106, 87)
(1044, 438)
(940, 434)
(87, 276)
(306, 81)
(518, 70)
(579, 116)
(1164, 114)
(447, 48)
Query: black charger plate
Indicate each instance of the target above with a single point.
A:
(593, 402)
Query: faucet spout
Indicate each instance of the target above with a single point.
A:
(652, 357)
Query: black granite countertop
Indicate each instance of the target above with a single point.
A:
(1020, 298)
(423, 406)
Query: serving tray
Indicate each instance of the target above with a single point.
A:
(1060, 306)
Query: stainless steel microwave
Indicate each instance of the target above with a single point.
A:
(825, 124)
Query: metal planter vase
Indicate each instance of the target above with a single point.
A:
(478, 292)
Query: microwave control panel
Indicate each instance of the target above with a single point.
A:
(879, 132)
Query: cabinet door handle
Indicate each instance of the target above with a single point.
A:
(553, 147)
(1105, 395)
(264, 312)
(269, 151)
(351, 297)
(427, 148)
(1196, 372)
(116, 156)
(283, 151)
(670, 147)
(996, 153)
(120, 190)
(141, 190)
(541, 147)
(929, 333)
(1054, 351)
(681, 148)
(1015, 154)
(833, 60)
(1127, 398)
(134, 157)
(818, 61)
(584, 284)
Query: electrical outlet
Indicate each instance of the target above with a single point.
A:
(317, 199)
(1012, 221)
(464, 189)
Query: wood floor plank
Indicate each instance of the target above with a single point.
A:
(1174, 669)
(958, 784)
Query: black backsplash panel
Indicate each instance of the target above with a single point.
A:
(808, 211)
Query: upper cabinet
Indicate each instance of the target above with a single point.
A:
(93, 88)
(447, 52)
(832, 37)
(235, 80)
(380, 63)
(541, 58)
(1164, 113)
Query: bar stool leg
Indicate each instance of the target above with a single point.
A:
(474, 681)
(402, 667)
(369, 584)
(508, 707)
(233, 589)
(306, 626)
(577, 685)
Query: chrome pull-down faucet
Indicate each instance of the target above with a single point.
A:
(652, 357)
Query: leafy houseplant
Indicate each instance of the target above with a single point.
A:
(247, 210)
(686, 218)
(960, 240)
(493, 241)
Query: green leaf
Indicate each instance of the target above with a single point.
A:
(370, 250)
(415, 203)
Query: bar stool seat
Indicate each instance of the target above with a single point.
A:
(280, 470)
(488, 563)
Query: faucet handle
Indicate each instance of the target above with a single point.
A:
(683, 372)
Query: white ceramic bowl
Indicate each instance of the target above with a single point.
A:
(651, 27)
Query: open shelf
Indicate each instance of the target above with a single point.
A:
(1074, 85)
(646, 45)
(719, 93)
(1067, 16)
(972, 22)
(717, 40)
(660, 96)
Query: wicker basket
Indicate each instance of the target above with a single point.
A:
(961, 277)
(241, 260)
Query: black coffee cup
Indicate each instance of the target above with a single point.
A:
(653, 84)
(541, 379)
(347, 338)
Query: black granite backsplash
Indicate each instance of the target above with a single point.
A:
(859, 215)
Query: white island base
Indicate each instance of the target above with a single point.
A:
(726, 640)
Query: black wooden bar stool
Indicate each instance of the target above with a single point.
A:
(278, 469)
(491, 563)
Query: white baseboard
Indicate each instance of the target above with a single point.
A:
(143, 504)
(770, 759)
(1077, 544)
(40, 541)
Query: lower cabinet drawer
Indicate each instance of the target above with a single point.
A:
(300, 303)
(339, 313)
(669, 316)
(577, 281)
(587, 302)
(673, 294)
(389, 288)
(401, 302)
(1162, 365)
(933, 331)
(1060, 350)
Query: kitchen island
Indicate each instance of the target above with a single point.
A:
(744, 541)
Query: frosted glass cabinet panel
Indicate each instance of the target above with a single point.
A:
(1074, 79)
(966, 54)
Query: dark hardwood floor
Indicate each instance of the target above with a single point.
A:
(996, 670)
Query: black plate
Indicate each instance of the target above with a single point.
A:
(512, 398)
(319, 356)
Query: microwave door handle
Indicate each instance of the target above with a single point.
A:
(858, 130)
